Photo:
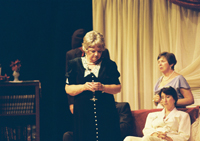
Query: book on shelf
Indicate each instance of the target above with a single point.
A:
(14, 134)
(33, 133)
(7, 134)
(18, 133)
(17, 104)
(28, 133)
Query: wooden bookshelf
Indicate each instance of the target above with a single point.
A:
(20, 110)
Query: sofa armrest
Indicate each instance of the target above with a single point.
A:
(139, 119)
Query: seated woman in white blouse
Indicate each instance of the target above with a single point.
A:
(169, 124)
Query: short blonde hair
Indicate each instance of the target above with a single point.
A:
(93, 38)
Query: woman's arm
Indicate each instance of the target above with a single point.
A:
(74, 89)
(111, 89)
(77, 89)
(156, 99)
(92, 86)
(188, 98)
(148, 129)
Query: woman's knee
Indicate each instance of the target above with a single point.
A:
(132, 138)
(128, 138)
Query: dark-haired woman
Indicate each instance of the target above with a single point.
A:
(169, 124)
(166, 63)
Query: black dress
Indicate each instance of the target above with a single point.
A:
(95, 120)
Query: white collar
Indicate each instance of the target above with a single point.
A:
(95, 70)
(170, 114)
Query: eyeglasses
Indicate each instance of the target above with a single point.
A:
(93, 51)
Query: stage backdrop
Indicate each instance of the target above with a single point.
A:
(136, 32)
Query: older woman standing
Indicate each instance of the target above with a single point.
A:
(166, 63)
(169, 124)
(93, 80)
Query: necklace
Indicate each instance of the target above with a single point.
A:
(165, 79)
(91, 66)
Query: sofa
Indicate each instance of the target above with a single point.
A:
(139, 119)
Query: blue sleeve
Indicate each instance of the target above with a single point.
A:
(156, 87)
(183, 83)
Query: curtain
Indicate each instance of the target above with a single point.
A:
(136, 32)
(193, 4)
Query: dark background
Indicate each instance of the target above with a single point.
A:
(38, 33)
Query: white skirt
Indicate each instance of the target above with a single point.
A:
(145, 138)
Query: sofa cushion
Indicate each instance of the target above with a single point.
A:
(139, 118)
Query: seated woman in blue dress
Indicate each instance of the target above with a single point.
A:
(169, 124)
(166, 63)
